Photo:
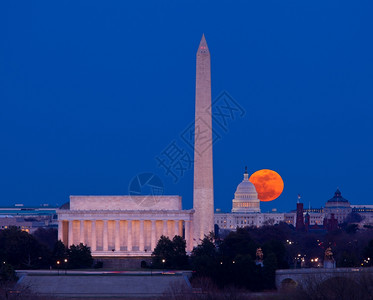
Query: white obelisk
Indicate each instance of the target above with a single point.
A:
(203, 192)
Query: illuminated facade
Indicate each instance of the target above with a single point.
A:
(246, 198)
(28, 218)
(6, 222)
(122, 225)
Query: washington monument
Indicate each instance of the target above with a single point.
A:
(203, 192)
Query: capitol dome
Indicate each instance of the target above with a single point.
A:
(246, 197)
(246, 188)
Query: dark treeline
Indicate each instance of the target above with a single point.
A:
(41, 250)
(232, 261)
(228, 261)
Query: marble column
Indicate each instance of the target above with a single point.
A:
(60, 230)
(82, 240)
(105, 242)
(153, 237)
(165, 233)
(189, 241)
(70, 238)
(191, 237)
(176, 227)
(117, 236)
(94, 242)
(129, 235)
(141, 242)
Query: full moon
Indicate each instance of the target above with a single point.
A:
(268, 184)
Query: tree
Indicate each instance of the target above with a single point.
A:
(204, 258)
(7, 272)
(246, 274)
(60, 253)
(163, 252)
(353, 217)
(22, 250)
(180, 258)
(47, 237)
(368, 253)
(79, 256)
(206, 248)
(269, 271)
(237, 243)
(171, 252)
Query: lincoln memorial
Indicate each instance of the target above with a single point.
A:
(123, 225)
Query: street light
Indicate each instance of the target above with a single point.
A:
(163, 261)
(65, 260)
(58, 267)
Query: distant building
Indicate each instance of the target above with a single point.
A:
(335, 211)
(9, 221)
(366, 212)
(330, 224)
(338, 206)
(307, 222)
(299, 225)
(28, 218)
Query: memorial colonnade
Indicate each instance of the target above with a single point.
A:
(128, 234)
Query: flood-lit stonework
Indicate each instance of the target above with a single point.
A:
(121, 225)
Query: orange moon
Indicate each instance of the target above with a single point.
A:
(268, 184)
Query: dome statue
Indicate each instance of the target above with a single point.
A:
(246, 198)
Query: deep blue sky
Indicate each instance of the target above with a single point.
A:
(91, 92)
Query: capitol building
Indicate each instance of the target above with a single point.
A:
(246, 211)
